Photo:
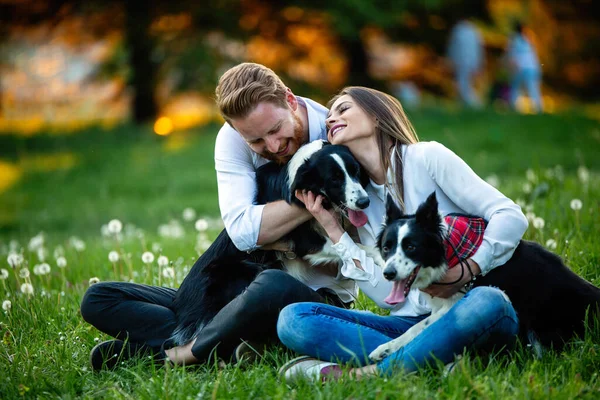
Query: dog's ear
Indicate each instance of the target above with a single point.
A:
(427, 213)
(392, 211)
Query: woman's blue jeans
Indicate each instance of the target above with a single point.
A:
(483, 319)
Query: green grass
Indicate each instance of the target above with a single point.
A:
(147, 181)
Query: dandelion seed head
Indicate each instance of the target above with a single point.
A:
(77, 244)
(113, 256)
(527, 187)
(36, 242)
(3, 274)
(6, 305)
(14, 260)
(147, 257)
(115, 226)
(24, 273)
(44, 268)
(201, 225)
(13, 245)
(61, 262)
(538, 223)
(189, 214)
(27, 288)
(104, 231)
(168, 272)
(530, 215)
(59, 251)
(493, 180)
(531, 175)
(162, 261)
(156, 247)
(583, 174)
(94, 280)
(576, 204)
(42, 253)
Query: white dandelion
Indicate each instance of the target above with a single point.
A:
(6, 305)
(27, 288)
(527, 187)
(493, 180)
(94, 280)
(36, 242)
(59, 251)
(147, 257)
(42, 253)
(539, 223)
(104, 231)
(189, 214)
(113, 256)
(583, 174)
(531, 175)
(44, 269)
(201, 225)
(576, 204)
(61, 262)
(24, 273)
(162, 261)
(77, 244)
(551, 244)
(168, 272)
(3, 274)
(115, 226)
(14, 260)
(530, 215)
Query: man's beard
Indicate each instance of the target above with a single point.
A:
(298, 139)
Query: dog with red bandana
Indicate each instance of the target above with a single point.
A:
(552, 302)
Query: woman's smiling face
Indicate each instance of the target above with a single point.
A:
(348, 122)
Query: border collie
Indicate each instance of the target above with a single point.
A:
(551, 301)
(223, 271)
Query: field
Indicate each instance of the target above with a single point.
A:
(58, 193)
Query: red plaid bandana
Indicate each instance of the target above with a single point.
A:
(465, 235)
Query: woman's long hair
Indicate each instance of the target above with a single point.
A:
(392, 130)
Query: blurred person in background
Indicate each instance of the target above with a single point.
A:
(465, 52)
(524, 67)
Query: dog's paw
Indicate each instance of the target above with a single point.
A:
(380, 353)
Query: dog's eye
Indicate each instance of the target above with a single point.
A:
(385, 249)
(410, 247)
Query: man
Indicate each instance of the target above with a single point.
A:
(264, 121)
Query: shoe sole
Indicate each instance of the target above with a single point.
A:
(290, 364)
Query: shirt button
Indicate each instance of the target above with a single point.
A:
(341, 246)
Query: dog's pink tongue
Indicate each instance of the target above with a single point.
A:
(397, 294)
(357, 218)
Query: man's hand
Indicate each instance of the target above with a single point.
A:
(453, 275)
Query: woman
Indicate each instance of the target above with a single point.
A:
(373, 125)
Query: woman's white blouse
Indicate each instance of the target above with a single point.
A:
(428, 167)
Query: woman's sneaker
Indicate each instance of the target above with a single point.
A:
(310, 369)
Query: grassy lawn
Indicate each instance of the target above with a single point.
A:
(67, 188)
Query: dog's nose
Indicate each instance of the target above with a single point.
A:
(363, 203)
(389, 273)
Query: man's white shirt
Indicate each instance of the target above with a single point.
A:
(236, 166)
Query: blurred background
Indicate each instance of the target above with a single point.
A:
(66, 65)
(108, 105)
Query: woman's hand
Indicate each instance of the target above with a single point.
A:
(453, 275)
(327, 219)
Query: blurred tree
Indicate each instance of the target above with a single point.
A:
(138, 17)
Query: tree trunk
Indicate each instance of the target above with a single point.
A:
(143, 70)
(358, 64)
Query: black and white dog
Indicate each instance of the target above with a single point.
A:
(551, 301)
(223, 272)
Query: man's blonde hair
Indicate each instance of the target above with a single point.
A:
(244, 86)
